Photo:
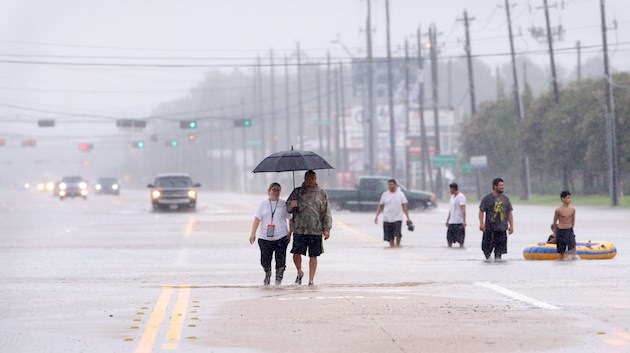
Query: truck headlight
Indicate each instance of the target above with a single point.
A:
(155, 194)
(192, 194)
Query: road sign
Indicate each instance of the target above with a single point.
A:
(466, 167)
(444, 160)
(131, 123)
(479, 162)
(46, 122)
(242, 123)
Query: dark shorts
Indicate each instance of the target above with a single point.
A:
(456, 233)
(392, 230)
(494, 240)
(565, 239)
(303, 242)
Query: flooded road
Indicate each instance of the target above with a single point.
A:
(109, 275)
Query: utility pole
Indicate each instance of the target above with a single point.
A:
(328, 106)
(519, 109)
(287, 102)
(554, 77)
(436, 109)
(426, 170)
(336, 120)
(556, 89)
(407, 110)
(370, 88)
(611, 133)
(390, 89)
(272, 92)
(578, 47)
(244, 140)
(261, 109)
(342, 86)
(300, 106)
(471, 76)
(319, 111)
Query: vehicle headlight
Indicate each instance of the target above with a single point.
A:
(192, 194)
(40, 186)
(97, 186)
(62, 186)
(155, 194)
(115, 187)
(50, 186)
(82, 185)
(84, 192)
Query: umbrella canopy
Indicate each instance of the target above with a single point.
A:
(292, 160)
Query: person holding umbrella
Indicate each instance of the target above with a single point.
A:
(310, 223)
(273, 235)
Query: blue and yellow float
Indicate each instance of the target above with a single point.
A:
(585, 250)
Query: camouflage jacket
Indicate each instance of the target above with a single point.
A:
(312, 216)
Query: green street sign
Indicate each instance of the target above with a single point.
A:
(467, 167)
(444, 161)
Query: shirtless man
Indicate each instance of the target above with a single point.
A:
(564, 220)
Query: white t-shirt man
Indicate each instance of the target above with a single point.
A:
(392, 202)
(456, 203)
(280, 217)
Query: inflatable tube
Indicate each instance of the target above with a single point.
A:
(586, 250)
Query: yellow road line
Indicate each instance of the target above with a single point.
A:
(356, 233)
(177, 317)
(153, 325)
(190, 225)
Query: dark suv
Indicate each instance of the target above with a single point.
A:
(107, 185)
(173, 191)
(72, 186)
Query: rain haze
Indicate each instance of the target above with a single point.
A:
(140, 142)
(87, 64)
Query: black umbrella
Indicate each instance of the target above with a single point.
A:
(291, 161)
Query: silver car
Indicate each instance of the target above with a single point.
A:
(173, 191)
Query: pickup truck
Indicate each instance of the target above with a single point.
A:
(366, 195)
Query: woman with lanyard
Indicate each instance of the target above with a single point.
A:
(270, 221)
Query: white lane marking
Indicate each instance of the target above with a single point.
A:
(517, 296)
(340, 297)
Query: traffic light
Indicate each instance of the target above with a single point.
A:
(131, 123)
(192, 137)
(137, 144)
(83, 146)
(188, 124)
(46, 122)
(242, 122)
(171, 143)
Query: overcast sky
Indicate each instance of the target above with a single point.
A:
(127, 43)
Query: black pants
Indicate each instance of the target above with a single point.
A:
(494, 240)
(268, 248)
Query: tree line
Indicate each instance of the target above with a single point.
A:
(565, 141)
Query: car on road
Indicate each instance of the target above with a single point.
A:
(173, 191)
(107, 185)
(72, 186)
